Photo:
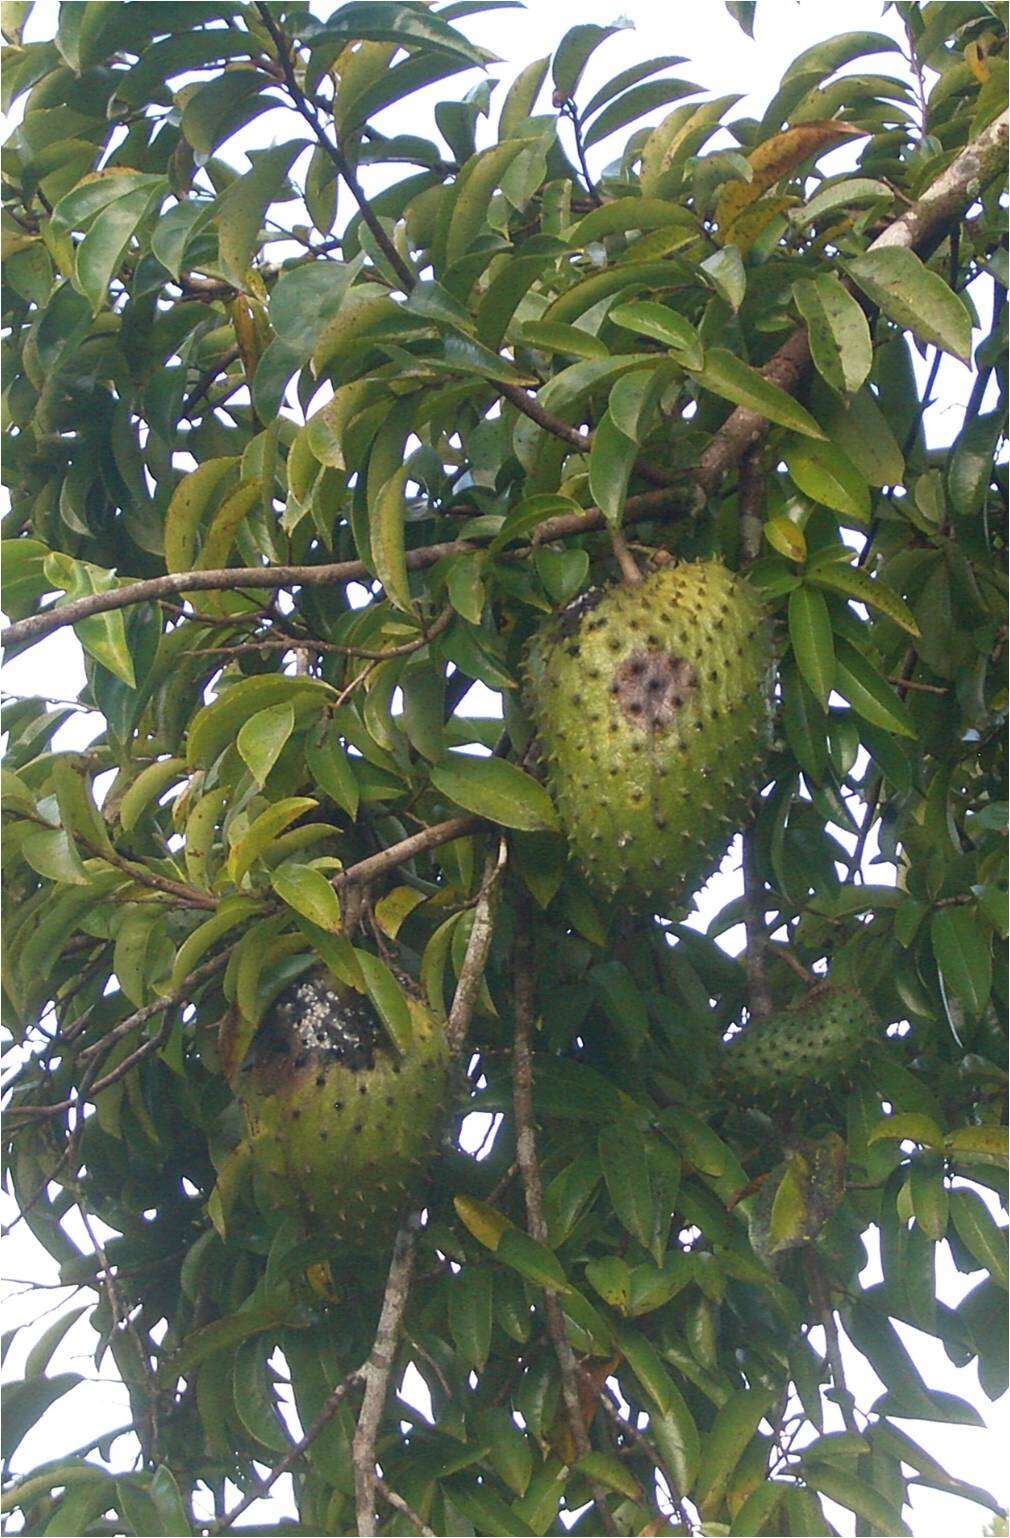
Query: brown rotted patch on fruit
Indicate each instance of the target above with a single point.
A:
(311, 1027)
(651, 686)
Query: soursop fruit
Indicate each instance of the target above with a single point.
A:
(653, 709)
(816, 1039)
(340, 1123)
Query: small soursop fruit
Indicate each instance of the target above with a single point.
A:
(653, 709)
(814, 1040)
(340, 1123)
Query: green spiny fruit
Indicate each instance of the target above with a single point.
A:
(340, 1123)
(652, 707)
(812, 1041)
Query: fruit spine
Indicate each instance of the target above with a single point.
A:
(652, 707)
(340, 1123)
(815, 1039)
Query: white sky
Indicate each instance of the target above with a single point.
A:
(721, 59)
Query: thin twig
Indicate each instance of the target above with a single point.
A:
(751, 497)
(263, 1486)
(333, 151)
(524, 991)
(822, 1302)
(478, 945)
(641, 1441)
(375, 1375)
(630, 571)
(399, 1504)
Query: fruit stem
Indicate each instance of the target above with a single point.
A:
(630, 571)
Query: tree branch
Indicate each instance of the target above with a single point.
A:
(375, 1375)
(822, 1302)
(263, 1486)
(401, 268)
(647, 504)
(962, 180)
(478, 945)
(529, 1169)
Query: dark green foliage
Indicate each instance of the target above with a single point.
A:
(316, 416)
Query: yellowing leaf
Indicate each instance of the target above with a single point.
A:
(777, 157)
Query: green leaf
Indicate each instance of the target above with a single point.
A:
(308, 892)
(812, 641)
(102, 635)
(611, 461)
(982, 1145)
(630, 213)
(734, 380)
(226, 103)
(872, 591)
(732, 1430)
(651, 1372)
(262, 831)
(497, 790)
(609, 1276)
(242, 206)
(786, 537)
(622, 1154)
(726, 272)
(328, 764)
(387, 996)
(572, 55)
(980, 1233)
(531, 1259)
(39, 1356)
(907, 1126)
(930, 1201)
(573, 341)
(383, 21)
(634, 104)
(606, 1470)
(853, 1492)
(387, 528)
(962, 952)
(472, 196)
(914, 297)
(470, 1299)
(970, 471)
(649, 318)
(869, 694)
(262, 738)
(852, 192)
(823, 473)
(168, 1500)
(839, 336)
(101, 251)
(53, 853)
(862, 433)
(26, 1402)
(677, 1439)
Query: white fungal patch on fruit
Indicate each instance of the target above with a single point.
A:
(341, 1123)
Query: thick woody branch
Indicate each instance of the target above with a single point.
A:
(648, 504)
(941, 203)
